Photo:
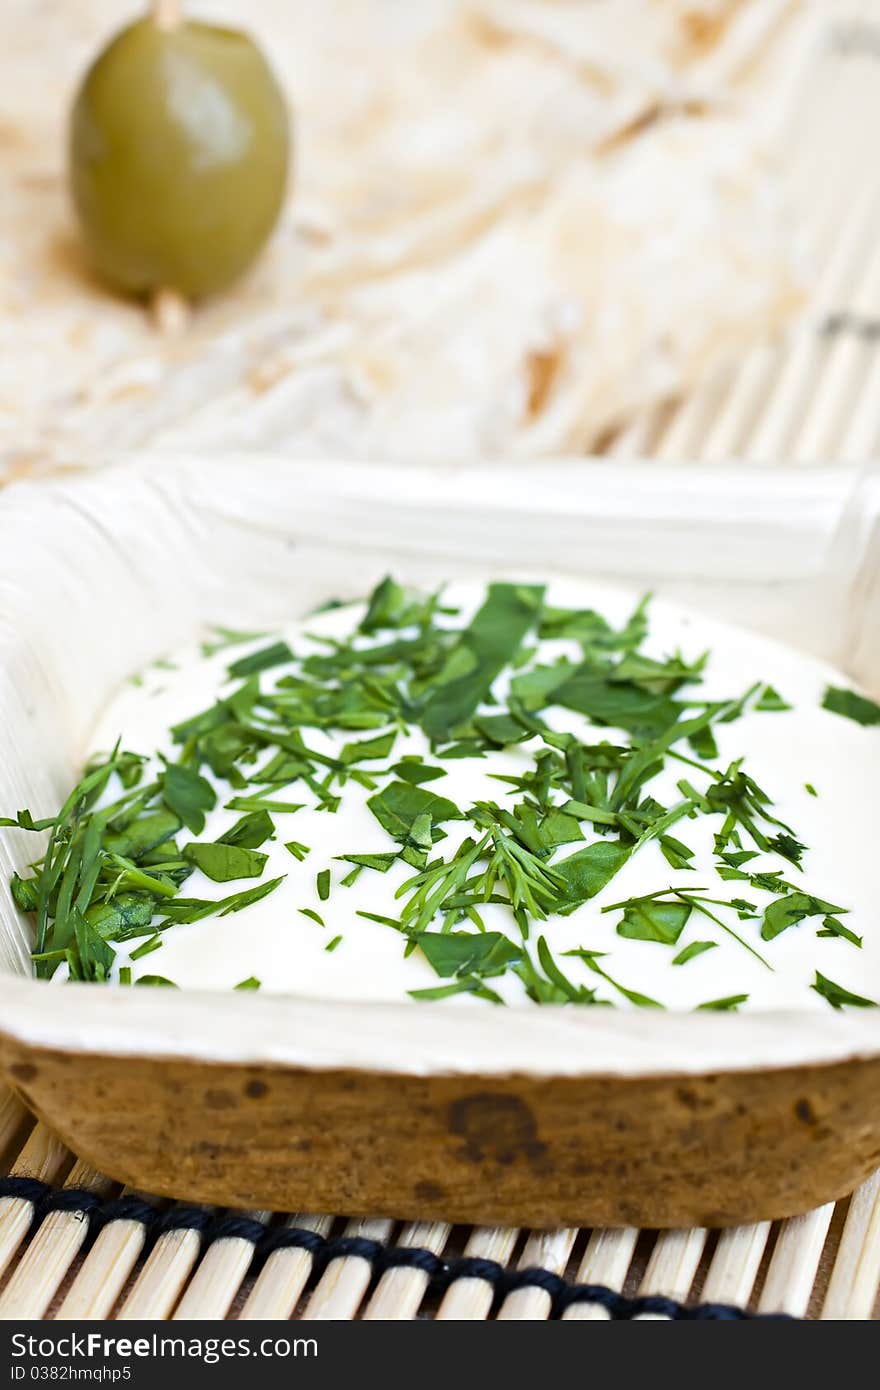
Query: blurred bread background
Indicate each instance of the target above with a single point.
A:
(514, 227)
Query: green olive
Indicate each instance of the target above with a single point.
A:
(179, 150)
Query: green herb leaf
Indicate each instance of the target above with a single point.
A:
(278, 654)
(851, 705)
(655, 921)
(586, 873)
(225, 862)
(399, 804)
(188, 795)
(482, 651)
(456, 953)
(696, 948)
(250, 832)
(793, 908)
(838, 997)
(727, 1005)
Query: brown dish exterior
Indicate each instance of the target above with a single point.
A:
(704, 1150)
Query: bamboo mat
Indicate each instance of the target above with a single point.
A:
(815, 397)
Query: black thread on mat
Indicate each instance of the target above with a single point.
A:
(441, 1273)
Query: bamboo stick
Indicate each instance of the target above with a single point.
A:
(472, 1299)
(852, 1288)
(44, 1265)
(672, 1266)
(279, 1285)
(163, 1277)
(606, 1261)
(548, 1250)
(43, 1157)
(341, 1288)
(400, 1291)
(218, 1278)
(105, 1270)
(794, 1263)
(735, 1264)
(772, 436)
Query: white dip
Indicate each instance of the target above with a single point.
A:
(286, 950)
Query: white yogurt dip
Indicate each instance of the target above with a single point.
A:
(276, 943)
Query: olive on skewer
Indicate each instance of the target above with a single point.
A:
(179, 153)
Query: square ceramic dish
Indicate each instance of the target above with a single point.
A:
(518, 1116)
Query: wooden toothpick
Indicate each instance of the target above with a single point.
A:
(166, 13)
(171, 312)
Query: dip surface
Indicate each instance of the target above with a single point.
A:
(818, 769)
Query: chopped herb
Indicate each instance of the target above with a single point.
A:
(793, 908)
(278, 654)
(148, 947)
(838, 997)
(482, 651)
(399, 804)
(415, 771)
(323, 884)
(655, 921)
(250, 983)
(696, 948)
(222, 862)
(770, 699)
(331, 945)
(298, 850)
(851, 705)
(728, 1005)
(250, 832)
(310, 912)
(188, 795)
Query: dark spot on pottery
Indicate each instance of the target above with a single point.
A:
(495, 1126)
(429, 1192)
(255, 1089)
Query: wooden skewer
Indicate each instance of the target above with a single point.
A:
(170, 310)
(166, 13)
(171, 313)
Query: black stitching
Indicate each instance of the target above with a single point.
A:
(411, 1257)
(292, 1238)
(182, 1218)
(30, 1189)
(442, 1273)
